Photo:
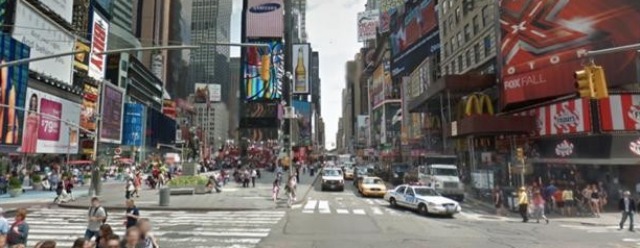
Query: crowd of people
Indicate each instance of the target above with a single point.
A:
(98, 234)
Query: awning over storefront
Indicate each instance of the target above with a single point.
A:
(455, 84)
(489, 124)
(606, 149)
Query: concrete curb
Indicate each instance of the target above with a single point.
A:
(160, 208)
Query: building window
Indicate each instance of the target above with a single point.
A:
(476, 25)
(476, 52)
(458, 14)
(468, 58)
(467, 32)
(487, 45)
(451, 23)
(453, 44)
(459, 63)
(447, 47)
(486, 16)
(444, 8)
(460, 39)
(446, 70)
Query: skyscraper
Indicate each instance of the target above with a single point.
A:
(210, 22)
(300, 6)
(120, 28)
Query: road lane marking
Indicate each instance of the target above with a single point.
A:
(307, 211)
(369, 201)
(342, 211)
(311, 204)
(359, 211)
(323, 207)
(381, 202)
(376, 210)
(390, 211)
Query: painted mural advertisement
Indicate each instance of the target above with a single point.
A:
(544, 42)
(263, 83)
(49, 125)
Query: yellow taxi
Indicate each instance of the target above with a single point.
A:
(372, 186)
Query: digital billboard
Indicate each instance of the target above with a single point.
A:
(112, 100)
(132, 124)
(264, 18)
(544, 42)
(303, 108)
(45, 128)
(13, 87)
(254, 87)
(414, 35)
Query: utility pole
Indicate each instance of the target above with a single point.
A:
(287, 88)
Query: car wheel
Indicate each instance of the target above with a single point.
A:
(422, 209)
(392, 202)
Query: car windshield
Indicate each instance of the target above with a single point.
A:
(425, 192)
(332, 173)
(445, 172)
(372, 181)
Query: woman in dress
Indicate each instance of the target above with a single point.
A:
(30, 137)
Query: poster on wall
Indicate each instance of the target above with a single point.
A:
(132, 124)
(89, 114)
(45, 37)
(112, 100)
(50, 124)
(99, 29)
(254, 87)
(301, 68)
(13, 86)
(552, 39)
(368, 25)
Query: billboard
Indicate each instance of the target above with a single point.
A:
(112, 100)
(303, 108)
(620, 112)
(89, 114)
(552, 38)
(160, 128)
(255, 89)
(264, 18)
(414, 36)
(362, 132)
(13, 86)
(170, 108)
(212, 91)
(387, 8)
(368, 25)
(97, 62)
(132, 124)
(81, 60)
(45, 37)
(376, 92)
(45, 128)
(64, 8)
(392, 121)
(301, 55)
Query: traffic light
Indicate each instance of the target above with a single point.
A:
(599, 82)
(584, 82)
(265, 68)
(520, 153)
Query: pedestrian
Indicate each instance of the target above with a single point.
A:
(569, 201)
(97, 216)
(628, 208)
(246, 177)
(523, 204)
(111, 241)
(105, 232)
(68, 186)
(137, 184)
(46, 244)
(538, 207)
(558, 200)
(131, 238)
(254, 174)
(132, 213)
(4, 224)
(276, 189)
(82, 243)
(498, 200)
(129, 188)
(147, 239)
(595, 201)
(19, 230)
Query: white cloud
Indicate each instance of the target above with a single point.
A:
(331, 25)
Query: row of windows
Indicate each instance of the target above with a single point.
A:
(468, 58)
(467, 34)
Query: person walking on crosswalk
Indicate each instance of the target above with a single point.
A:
(628, 208)
(97, 216)
(19, 230)
(523, 204)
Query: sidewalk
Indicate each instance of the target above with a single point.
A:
(232, 198)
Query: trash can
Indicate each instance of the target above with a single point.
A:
(165, 193)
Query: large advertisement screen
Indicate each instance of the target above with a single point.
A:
(544, 42)
(160, 128)
(89, 114)
(13, 86)
(376, 93)
(264, 18)
(301, 54)
(414, 36)
(112, 104)
(45, 37)
(255, 88)
(99, 30)
(303, 108)
(51, 124)
(132, 125)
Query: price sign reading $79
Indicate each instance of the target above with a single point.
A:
(49, 126)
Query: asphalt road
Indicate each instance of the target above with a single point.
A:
(345, 219)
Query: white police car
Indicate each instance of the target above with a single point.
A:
(423, 199)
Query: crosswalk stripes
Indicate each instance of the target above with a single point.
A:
(592, 228)
(171, 228)
(373, 207)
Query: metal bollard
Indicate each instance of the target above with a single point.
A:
(165, 194)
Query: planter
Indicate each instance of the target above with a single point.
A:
(15, 192)
(37, 186)
(201, 189)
